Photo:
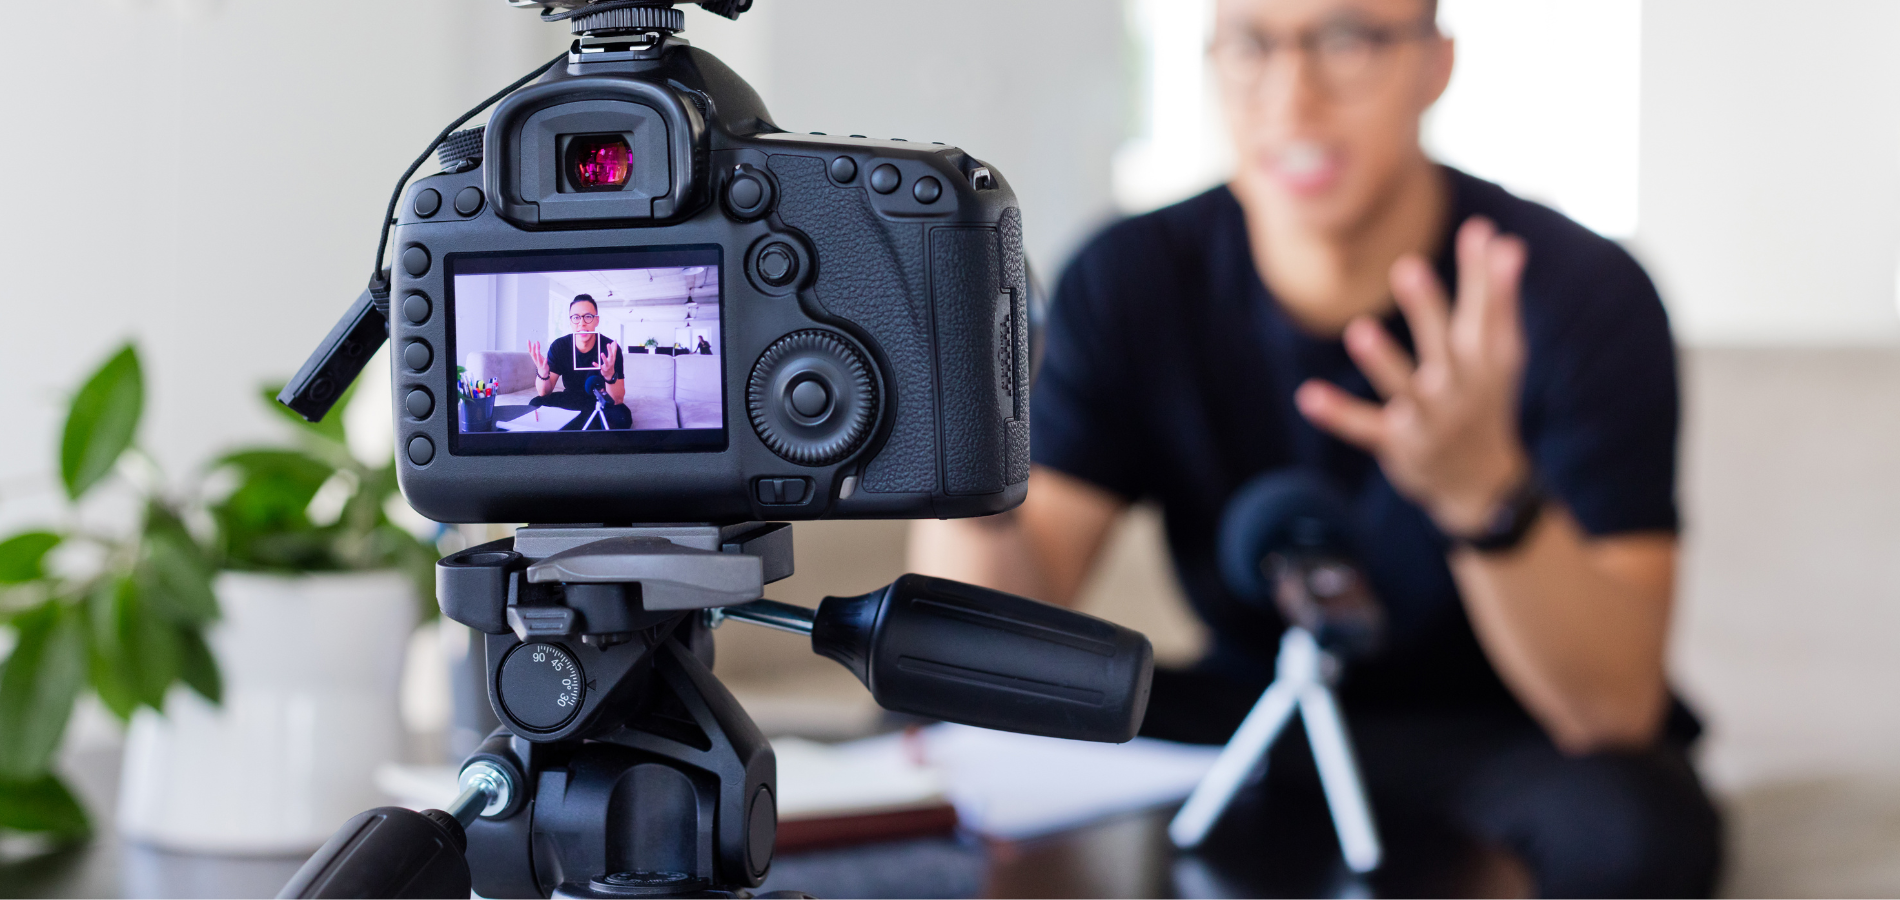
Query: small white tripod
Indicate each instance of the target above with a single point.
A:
(1303, 680)
(599, 415)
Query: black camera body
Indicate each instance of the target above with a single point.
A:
(865, 302)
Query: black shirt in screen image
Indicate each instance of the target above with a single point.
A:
(562, 361)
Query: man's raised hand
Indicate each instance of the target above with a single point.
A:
(540, 362)
(1446, 435)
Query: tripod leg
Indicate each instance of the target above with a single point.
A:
(1247, 750)
(1339, 775)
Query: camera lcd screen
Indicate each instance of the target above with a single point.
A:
(587, 352)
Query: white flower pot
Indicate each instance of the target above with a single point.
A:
(312, 666)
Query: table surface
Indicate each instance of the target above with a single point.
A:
(1124, 856)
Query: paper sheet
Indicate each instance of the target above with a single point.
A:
(545, 418)
(1016, 786)
(835, 779)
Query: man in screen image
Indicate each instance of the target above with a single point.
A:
(563, 372)
(1491, 390)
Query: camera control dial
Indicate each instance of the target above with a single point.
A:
(811, 398)
(540, 685)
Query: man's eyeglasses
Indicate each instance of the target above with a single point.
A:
(1345, 56)
(588, 318)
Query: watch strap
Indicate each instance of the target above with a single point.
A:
(1516, 515)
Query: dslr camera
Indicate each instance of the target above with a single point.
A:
(633, 311)
(631, 297)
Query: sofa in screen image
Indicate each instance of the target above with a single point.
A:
(662, 391)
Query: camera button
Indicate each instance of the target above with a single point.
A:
(884, 179)
(428, 202)
(421, 450)
(747, 193)
(419, 403)
(927, 190)
(844, 169)
(415, 261)
(810, 399)
(778, 265)
(417, 356)
(415, 308)
(469, 201)
(783, 491)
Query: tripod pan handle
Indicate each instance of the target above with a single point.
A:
(961, 653)
(388, 852)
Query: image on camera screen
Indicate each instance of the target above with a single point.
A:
(595, 352)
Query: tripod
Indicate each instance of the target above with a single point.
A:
(1303, 683)
(623, 768)
(600, 407)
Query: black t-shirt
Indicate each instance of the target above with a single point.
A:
(562, 361)
(1169, 376)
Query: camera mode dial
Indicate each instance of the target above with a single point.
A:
(811, 398)
(540, 685)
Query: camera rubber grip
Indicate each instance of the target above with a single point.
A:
(952, 651)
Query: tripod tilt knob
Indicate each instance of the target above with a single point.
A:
(952, 651)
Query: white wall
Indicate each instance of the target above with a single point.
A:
(1037, 89)
(1771, 168)
(1544, 99)
(210, 185)
(206, 175)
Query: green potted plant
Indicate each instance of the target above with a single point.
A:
(321, 590)
(123, 614)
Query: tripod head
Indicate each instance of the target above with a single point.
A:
(625, 765)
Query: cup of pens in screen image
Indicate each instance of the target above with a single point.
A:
(478, 406)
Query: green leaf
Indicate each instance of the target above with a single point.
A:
(104, 416)
(198, 667)
(264, 523)
(330, 429)
(110, 673)
(42, 805)
(38, 685)
(135, 656)
(23, 556)
(173, 573)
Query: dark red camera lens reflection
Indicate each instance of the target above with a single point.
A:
(600, 163)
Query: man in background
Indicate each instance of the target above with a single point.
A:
(1490, 386)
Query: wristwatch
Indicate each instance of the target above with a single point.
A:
(1513, 520)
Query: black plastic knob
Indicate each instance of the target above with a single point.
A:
(540, 686)
(748, 193)
(953, 651)
(811, 398)
(778, 265)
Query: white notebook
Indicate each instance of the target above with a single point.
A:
(541, 418)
